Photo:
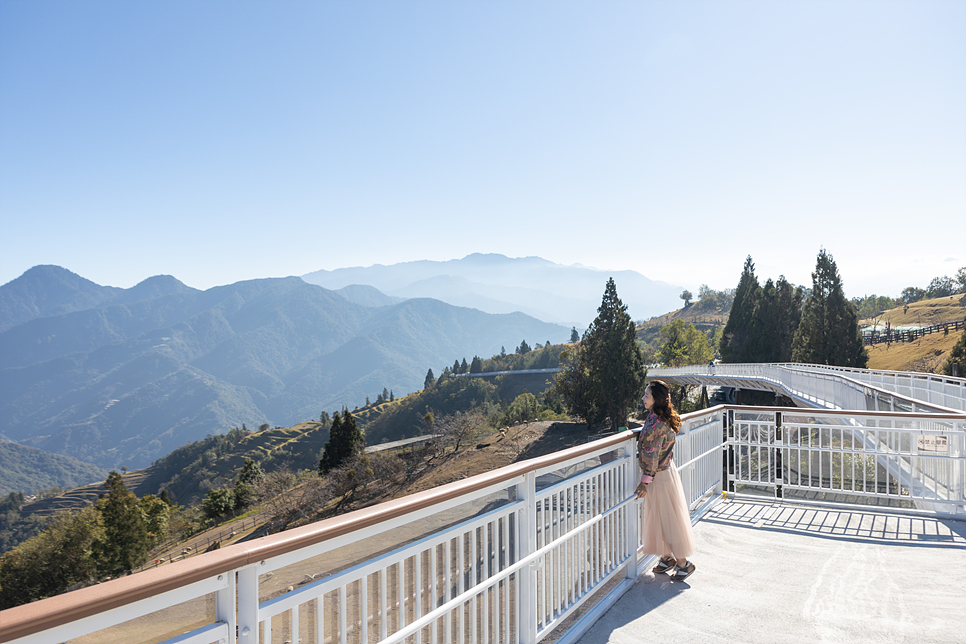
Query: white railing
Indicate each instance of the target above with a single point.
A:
(906, 460)
(509, 556)
(930, 388)
(503, 557)
(831, 387)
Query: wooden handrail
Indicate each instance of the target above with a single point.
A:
(48, 613)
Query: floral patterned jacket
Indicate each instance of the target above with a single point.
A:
(655, 447)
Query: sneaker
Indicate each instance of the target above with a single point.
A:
(684, 572)
(665, 565)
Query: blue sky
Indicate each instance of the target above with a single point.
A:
(218, 141)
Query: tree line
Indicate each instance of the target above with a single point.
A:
(780, 322)
(105, 539)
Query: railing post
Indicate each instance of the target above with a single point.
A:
(777, 450)
(225, 606)
(632, 514)
(958, 484)
(728, 469)
(248, 604)
(527, 540)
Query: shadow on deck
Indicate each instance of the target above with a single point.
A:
(769, 572)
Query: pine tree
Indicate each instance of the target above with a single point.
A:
(385, 394)
(464, 368)
(524, 348)
(828, 333)
(609, 367)
(477, 365)
(430, 380)
(456, 366)
(126, 542)
(392, 396)
(738, 340)
(574, 336)
(345, 439)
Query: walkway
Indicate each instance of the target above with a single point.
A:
(782, 573)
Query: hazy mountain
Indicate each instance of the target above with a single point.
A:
(493, 283)
(48, 290)
(128, 375)
(367, 295)
(28, 469)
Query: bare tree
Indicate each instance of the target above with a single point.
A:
(458, 428)
(289, 496)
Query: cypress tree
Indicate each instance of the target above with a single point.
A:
(829, 329)
(613, 360)
(477, 365)
(738, 340)
(126, 542)
(345, 440)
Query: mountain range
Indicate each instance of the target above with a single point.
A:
(494, 283)
(123, 376)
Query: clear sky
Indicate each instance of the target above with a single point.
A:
(221, 141)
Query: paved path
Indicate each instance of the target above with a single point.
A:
(782, 573)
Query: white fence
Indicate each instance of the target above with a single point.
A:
(832, 387)
(508, 556)
(540, 547)
(903, 460)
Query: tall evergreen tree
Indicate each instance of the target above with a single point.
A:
(788, 315)
(126, 542)
(477, 365)
(430, 380)
(574, 336)
(612, 360)
(738, 340)
(345, 439)
(464, 368)
(829, 329)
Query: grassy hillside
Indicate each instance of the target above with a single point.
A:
(924, 312)
(927, 354)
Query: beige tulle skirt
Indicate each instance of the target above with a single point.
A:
(667, 522)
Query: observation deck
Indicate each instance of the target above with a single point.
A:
(838, 520)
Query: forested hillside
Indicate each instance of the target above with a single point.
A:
(123, 376)
(28, 469)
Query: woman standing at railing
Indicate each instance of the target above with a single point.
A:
(667, 521)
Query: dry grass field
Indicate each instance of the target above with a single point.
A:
(926, 312)
(926, 354)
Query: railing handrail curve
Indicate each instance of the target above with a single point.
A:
(61, 609)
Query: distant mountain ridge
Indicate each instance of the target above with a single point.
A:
(122, 376)
(494, 283)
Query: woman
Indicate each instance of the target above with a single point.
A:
(667, 521)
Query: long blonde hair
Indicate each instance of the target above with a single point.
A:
(663, 406)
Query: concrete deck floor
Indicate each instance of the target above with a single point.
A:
(783, 573)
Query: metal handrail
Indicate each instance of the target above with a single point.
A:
(216, 571)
